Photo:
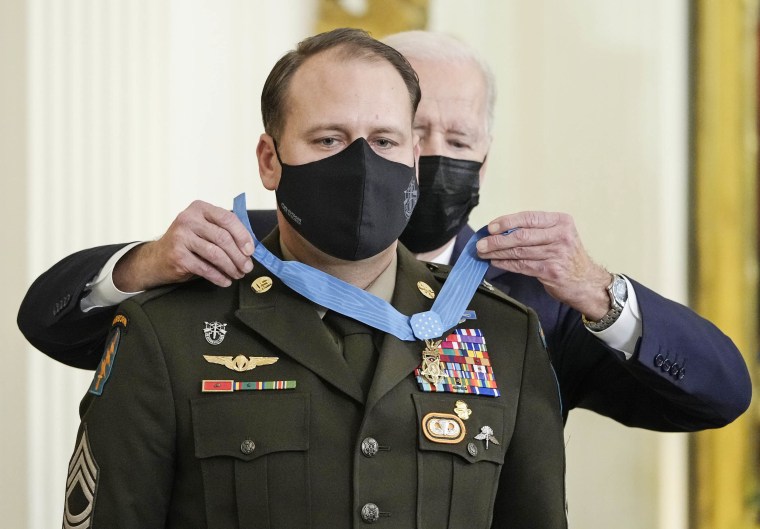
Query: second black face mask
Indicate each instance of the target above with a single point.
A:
(351, 205)
(449, 189)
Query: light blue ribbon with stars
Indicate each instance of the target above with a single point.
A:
(349, 300)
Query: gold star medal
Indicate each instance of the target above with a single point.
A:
(432, 368)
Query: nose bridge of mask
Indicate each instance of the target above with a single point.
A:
(373, 194)
(449, 175)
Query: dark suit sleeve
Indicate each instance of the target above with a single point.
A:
(50, 317)
(685, 374)
(531, 490)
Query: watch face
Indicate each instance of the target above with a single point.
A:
(620, 290)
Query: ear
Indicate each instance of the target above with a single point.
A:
(269, 166)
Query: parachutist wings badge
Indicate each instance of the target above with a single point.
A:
(241, 363)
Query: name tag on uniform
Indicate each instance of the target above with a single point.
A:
(465, 366)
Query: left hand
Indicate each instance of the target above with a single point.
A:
(547, 246)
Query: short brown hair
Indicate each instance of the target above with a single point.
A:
(353, 43)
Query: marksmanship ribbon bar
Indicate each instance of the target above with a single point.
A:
(349, 300)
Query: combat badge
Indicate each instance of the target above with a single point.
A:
(81, 484)
(443, 428)
(241, 363)
(106, 363)
(214, 332)
(462, 410)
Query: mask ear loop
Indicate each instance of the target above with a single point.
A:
(277, 151)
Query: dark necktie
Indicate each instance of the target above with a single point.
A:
(358, 347)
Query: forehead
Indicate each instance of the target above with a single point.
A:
(333, 88)
(452, 91)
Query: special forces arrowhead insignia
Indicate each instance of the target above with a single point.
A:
(214, 332)
(241, 363)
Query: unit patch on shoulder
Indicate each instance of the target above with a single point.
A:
(81, 486)
(106, 363)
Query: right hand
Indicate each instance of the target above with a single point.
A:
(203, 241)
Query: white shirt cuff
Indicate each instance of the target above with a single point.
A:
(103, 293)
(626, 331)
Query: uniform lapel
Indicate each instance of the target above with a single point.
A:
(398, 359)
(291, 323)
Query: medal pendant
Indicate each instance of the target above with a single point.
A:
(432, 368)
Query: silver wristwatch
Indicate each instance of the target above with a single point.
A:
(618, 292)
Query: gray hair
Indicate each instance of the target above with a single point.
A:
(430, 45)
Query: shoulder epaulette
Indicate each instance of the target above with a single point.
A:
(441, 272)
(143, 297)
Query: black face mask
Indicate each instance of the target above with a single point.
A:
(351, 205)
(449, 189)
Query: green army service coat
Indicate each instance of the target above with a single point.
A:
(154, 450)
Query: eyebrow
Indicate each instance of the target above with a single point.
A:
(343, 130)
(456, 130)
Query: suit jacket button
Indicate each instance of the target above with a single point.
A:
(674, 369)
(369, 447)
(370, 513)
(666, 365)
(247, 447)
(658, 360)
(681, 373)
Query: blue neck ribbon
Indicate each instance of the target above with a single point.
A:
(349, 300)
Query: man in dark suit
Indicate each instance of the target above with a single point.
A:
(242, 407)
(658, 366)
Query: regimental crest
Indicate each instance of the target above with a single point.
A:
(214, 332)
(81, 484)
(410, 198)
(241, 363)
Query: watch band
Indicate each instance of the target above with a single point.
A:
(606, 321)
(616, 305)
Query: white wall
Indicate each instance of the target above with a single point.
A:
(136, 108)
(591, 119)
